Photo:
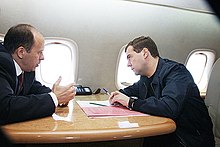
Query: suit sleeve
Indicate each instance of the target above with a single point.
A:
(38, 88)
(20, 108)
(131, 90)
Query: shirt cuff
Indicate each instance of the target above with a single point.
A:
(54, 97)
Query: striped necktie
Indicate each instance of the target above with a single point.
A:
(20, 80)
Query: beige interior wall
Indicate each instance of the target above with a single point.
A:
(100, 28)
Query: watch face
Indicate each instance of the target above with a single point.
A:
(134, 97)
(131, 102)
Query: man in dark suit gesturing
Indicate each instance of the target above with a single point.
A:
(21, 53)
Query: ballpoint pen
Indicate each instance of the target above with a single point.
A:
(97, 104)
(116, 103)
(106, 91)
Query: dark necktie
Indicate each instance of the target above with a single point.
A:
(20, 80)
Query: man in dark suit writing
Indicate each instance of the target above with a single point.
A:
(25, 98)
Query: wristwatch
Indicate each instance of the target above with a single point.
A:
(131, 102)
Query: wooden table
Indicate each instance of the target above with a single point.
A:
(70, 125)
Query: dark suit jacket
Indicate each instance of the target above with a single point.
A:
(33, 102)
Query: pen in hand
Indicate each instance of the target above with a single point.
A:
(106, 91)
(116, 103)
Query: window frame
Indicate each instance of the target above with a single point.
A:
(2, 37)
(74, 51)
(207, 68)
(118, 84)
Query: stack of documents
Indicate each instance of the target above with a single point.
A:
(105, 109)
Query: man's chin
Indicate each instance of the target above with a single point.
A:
(136, 73)
(33, 69)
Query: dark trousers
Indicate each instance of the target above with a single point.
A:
(4, 140)
(168, 140)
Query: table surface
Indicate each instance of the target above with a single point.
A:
(70, 124)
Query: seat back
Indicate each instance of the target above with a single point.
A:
(212, 100)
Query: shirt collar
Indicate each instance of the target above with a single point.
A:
(17, 68)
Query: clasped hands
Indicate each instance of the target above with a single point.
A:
(63, 93)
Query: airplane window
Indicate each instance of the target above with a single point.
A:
(60, 59)
(199, 63)
(124, 75)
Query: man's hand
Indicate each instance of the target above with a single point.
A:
(63, 93)
(118, 97)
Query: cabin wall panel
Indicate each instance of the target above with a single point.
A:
(101, 28)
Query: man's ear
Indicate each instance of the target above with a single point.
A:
(20, 52)
(145, 52)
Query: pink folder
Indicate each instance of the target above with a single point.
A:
(106, 111)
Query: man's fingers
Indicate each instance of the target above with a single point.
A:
(70, 85)
(58, 81)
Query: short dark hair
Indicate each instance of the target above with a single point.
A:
(143, 42)
(19, 35)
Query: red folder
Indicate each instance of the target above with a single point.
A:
(106, 111)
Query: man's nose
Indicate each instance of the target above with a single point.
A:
(129, 64)
(42, 57)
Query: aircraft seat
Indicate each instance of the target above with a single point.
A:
(212, 100)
